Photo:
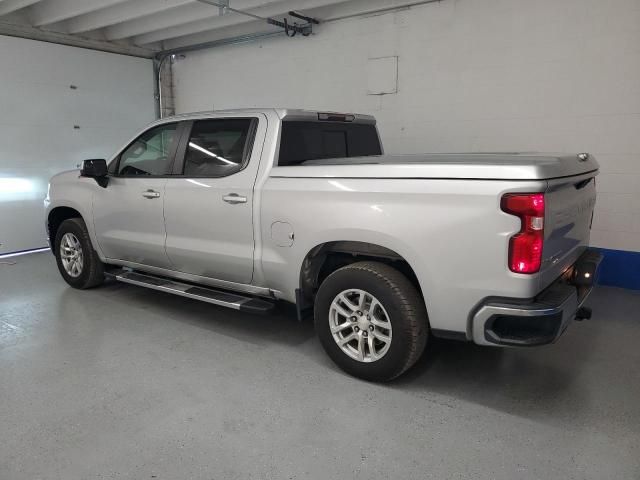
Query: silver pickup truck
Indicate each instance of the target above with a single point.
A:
(243, 208)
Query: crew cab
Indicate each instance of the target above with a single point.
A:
(244, 208)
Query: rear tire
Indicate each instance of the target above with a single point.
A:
(77, 261)
(382, 313)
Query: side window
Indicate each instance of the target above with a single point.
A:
(218, 148)
(150, 153)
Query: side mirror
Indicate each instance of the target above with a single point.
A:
(96, 169)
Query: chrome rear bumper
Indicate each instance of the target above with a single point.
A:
(541, 320)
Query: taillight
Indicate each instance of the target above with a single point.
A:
(525, 248)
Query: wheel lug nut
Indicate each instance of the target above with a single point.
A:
(371, 327)
(359, 313)
(353, 319)
(365, 334)
(357, 329)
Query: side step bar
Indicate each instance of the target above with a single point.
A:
(204, 294)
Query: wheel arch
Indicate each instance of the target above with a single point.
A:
(55, 218)
(327, 257)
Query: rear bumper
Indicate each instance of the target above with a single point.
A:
(541, 320)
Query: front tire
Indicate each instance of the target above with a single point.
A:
(77, 261)
(371, 321)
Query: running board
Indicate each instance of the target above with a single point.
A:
(209, 295)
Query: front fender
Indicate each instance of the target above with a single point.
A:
(70, 190)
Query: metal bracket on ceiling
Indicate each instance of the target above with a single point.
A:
(305, 29)
(290, 30)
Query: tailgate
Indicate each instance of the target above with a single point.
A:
(569, 204)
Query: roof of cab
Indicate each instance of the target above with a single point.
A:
(288, 113)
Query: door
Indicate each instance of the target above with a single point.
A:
(209, 200)
(128, 213)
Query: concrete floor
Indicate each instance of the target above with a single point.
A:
(122, 382)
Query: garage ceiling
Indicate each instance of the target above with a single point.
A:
(146, 27)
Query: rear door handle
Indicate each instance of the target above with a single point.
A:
(151, 194)
(234, 198)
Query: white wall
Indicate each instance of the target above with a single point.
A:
(474, 75)
(38, 111)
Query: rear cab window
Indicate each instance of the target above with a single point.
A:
(301, 141)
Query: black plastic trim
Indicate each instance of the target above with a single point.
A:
(449, 334)
(215, 294)
(303, 308)
(256, 306)
(523, 331)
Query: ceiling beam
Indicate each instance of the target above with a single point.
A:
(8, 6)
(118, 14)
(256, 29)
(53, 11)
(32, 33)
(245, 33)
(171, 18)
(272, 10)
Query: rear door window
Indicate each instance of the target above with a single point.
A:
(218, 148)
(302, 141)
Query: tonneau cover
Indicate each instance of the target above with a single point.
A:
(501, 166)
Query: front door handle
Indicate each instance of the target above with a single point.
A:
(234, 198)
(151, 194)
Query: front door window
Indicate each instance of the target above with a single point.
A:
(150, 153)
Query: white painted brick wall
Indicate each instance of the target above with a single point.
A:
(474, 75)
